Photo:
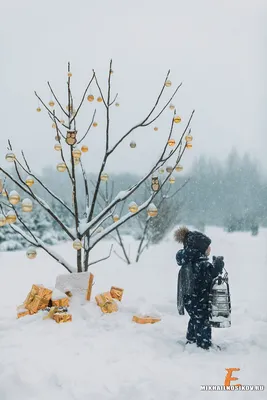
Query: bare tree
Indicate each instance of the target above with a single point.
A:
(85, 232)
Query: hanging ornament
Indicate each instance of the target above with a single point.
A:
(155, 184)
(99, 99)
(77, 244)
(177, 119)
(171, 142)
(172, 179)
(95, 124)
(69, 74)
(62, 121)
(14, 197)
(26, 205)
(90, 98)
(57, 138)
(73, 112)
(156, 128)
(104, 177)
(69, 108)
(38, 109)
(76, 160)
(51, 103)
(168, 83)
(179, 168)
(133, 145)
(58, 147)
(111, 72)
(189, 145)
(4, 193)
(161, 171)
(133, 207)
(10, 157)
(188, 138)
(172, 107)
(117, 104)
(116, 218)
(29, 181)
(152, 210)
(61, 167)
(71, 137)
(2, 220)
(54, 126)
(11, 217)
(76, 153)
(84, 148)
(169, 169)
(31, 253)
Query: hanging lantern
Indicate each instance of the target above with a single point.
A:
(171, 142)
(133, 207)
(69, 74)
(38, 109)
(76, 153)
(99, 99)
(152, 210)
(104, 177)
(76, 160)
(155, 184)
(189, 145)
(220, 303)
(116, 218)
(172, 179)
(2, 220)
(188, 138)
(29, 181)
(90, 98)
(133, 145)
(156, 128)
(117, 104)
(169, 169)
(168, 83)
(161, 171)
(54, 126)
(77, 244)
(177, 119)
(58, 147)
(51, 103)
(11, 217)
(14, 197)
(172, 107)
(84, 148)
(179, 168)
(95, 124)
(61, 167)
(31, 253)
(10, 157)
(26, 205)
(57, 138)
(71, 137)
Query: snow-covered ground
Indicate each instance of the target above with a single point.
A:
(109, 357)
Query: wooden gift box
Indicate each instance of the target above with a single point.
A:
(116, 293)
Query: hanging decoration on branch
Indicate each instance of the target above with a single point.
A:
(99, 99)
(57, 138)
(29, 181)
(104, 177)
(90, 98)
(58, 147)
(172, 179)
(189, 138)
(71, 137)
(27, 205)
(84, 148)
(161, 171)
(95, 124)
(172, 107)
(179, 168)
(14, 197)
(189, 145)
(10, 157)
(155, 184)
(133, 144)
(117, 104)
(11, 217)
(156, 129)
(171, 142)
(177, 119)
(133, 207)
(61, 167)
(116, 218)
(169, 169)
(38, 109)
(2, 220)
(31, 253)
(76, 153)
(168, 83)
(77, 244)
(152, 210)
(69, 74)
(54, 126)
(51, 103)
(4, 193)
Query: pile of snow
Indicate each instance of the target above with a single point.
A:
(109, 357)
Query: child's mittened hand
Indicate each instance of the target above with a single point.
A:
(218, 263)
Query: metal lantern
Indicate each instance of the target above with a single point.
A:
(38, 109)
(155, 184)
(61, 167)
(152, 210)
(51, 103)
(133, 145)
(179, 168)
(10, 157)
(2, 220)
(168, 83)
(84, 148)
(133, 207)
(116, 218)
(71, 137)
(76, 153)
(58, 147)
(220, 303)
(104, 177)
(26, 205)
(14, 197)
(77, 244)
(172, 179)
(11, 217)
(90, 98)
(171, 142)
(169, 169)
(31, 253)
(177, 119)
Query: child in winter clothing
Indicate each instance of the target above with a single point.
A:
(194, 283)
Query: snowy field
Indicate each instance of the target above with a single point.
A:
(109, 357)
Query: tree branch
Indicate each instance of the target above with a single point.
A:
(101, 259)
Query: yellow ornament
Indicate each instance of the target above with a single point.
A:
(51, 103)
(161, 171)
(31, 253)
(26, 205)
(38, 109)
(61, 167)
(57, 138)
(58, 147)
(2, 220)
(14, 197)
(156, 128)
(54, 125)
(188, 138)
(133, 145)
(10, 157)
(152, 210)
(171, 142)
(169, 169)
(189, 145)
(76, 160)
(172, 107)
(116, 218)
(69, 74)
(77, 244)
(95, 124)
(104, 177)
(111, 71)
(62, 121)
(90, 98)
(172, 179)
(168, 83)
(99, 99)
(76, 153)
(4, 193)
(117, 104)
(179, 168)
(11, 217)
(29, 181)
(133, 207)
(84, 148)
(177, 119)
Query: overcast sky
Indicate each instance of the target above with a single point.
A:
(216, 48)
